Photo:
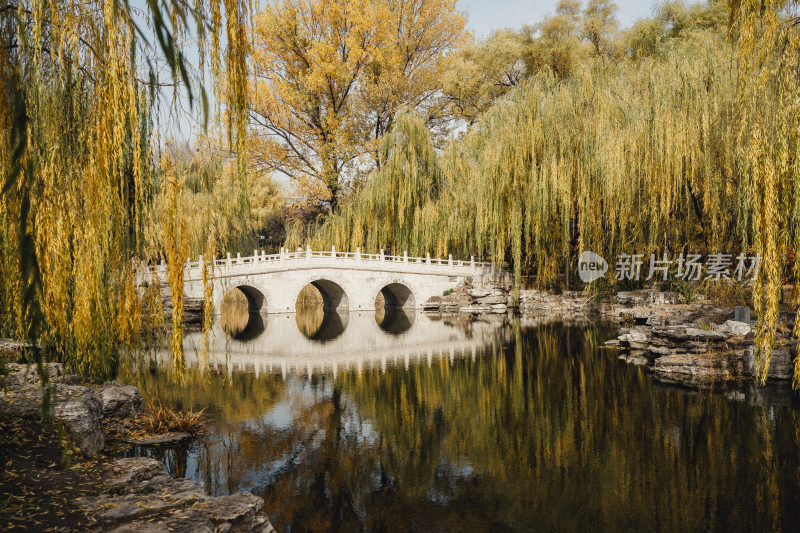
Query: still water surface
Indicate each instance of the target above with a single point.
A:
(407, 422)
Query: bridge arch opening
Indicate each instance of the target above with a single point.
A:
(394, 308)
(395, 296)
(321, 310)
(240, 312)
(255, 298)
(333, 295)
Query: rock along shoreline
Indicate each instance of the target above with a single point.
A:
(697, 345)
(134, 494)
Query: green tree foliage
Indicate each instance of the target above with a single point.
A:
(619, 157)
(673, 20)
(210, 190)
(555, 43)
(600, 25)
(480, 73)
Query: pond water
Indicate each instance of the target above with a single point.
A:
(401, 421)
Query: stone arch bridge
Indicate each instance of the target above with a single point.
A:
(347, 280)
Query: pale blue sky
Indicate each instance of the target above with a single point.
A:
(484, 16)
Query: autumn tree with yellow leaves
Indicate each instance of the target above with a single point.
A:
(329, 77)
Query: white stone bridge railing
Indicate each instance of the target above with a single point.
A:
(260, 261)
(346, 280)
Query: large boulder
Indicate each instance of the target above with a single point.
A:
(493, 299)
(76, 407)
(80, 410)
(696, 369)
(14, 350)
(635, 339)
(734, 328)
(119, 400)
(689, 333)
(131, 470)
(480, 292)
(781, 366)
(241, 510)
(645, 297)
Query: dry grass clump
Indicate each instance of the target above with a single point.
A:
(160, 418)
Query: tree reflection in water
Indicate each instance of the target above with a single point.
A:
(238, 319)
(549, 432)
(315, 320)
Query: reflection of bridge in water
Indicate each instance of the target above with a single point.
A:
(275, 343)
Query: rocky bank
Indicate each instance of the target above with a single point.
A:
(701, 353)
(140, 496)
(135, 494)
(695, 345)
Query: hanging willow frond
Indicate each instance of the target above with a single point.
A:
(76, 106)
(620, 158)
(768, 45)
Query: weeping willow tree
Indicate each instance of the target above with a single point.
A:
(210, 196)
(630, 156)
(389, 208)
(768, 43)
(77, 91)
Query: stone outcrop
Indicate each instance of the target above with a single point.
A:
(82, 413)
(76, 407)
(193, 308)
(167, 438)
(484, 295)
(781, 365)
(568, 303)
(698, 369)
(21, 374)
(698, 353)
(80, 408)
(641, 307)
(140, 496)
(12, 350)
(119, 400)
